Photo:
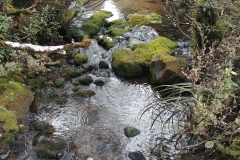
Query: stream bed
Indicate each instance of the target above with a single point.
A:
(94, 127)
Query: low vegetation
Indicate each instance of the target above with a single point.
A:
(206, 107)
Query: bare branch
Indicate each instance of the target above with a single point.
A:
(61, 49)
(34, 5)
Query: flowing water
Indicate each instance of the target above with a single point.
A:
(94, 127)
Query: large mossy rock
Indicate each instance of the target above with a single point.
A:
(136, 62)
(167, 69)
(92, 24)
(49, 147)
(15, 100)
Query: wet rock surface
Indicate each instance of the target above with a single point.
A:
(131, 131)
(50, 147)
(136, 156)
(103, 141)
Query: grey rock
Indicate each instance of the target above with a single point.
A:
(137, 155)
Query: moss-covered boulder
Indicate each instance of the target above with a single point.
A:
(60, 82)
(61, 100)
(103, 64)
(84, 93)
(167, 69)
(85, 80)
(80, 58)
(136, 62)
(43, 128)
(39, 125)
(49, 147)
(70, 73)
(15, 100)
(92, 24)
(100, 81)
(38, 82)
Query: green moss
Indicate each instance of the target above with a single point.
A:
(38, 82)
(84, 93)
(8, 138)
(73, 33)
(85, 37)
(39, 125)
(14, 105)
(30, 74)
(136, 20)
(80, 58)
(120, 26)
(92, 25)
(86, 80)
(135, 62)
(127, 64)
(60, 82)
(10, 120)
(214, 27)
(69, 72)
(173, 66)
(107, 43)
(234, 148)
(61, 101)
(48, 147)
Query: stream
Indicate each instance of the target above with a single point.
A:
(94, 127)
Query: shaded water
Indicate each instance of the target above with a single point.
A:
(94, 127)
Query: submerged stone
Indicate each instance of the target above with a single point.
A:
(49, 147)
(137, 155)
(103, 64)
(131, 132)
(100, 81)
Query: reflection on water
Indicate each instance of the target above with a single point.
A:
(139, 6)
